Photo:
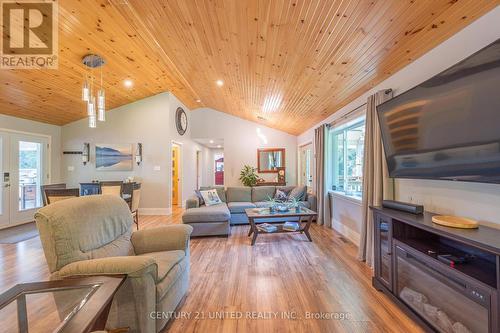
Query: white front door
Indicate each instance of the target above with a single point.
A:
(28, 172)
(4, 179)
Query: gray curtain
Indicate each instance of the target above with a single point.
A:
(376, 182)
(320, 143)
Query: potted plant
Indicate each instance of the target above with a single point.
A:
(248, 176)
(271, 203)
(294, 203)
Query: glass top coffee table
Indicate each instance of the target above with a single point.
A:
(69, 305)
(265, 215)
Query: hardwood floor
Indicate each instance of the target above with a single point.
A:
(282, 275)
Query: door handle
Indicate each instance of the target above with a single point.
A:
(6, 185)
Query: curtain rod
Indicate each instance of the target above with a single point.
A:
(386, 91)
(346, 115)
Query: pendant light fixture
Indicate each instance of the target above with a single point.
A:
(101, 115)
(96, 107)
(101, 102)
(85, 90)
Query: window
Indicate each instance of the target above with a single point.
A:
(346, 150)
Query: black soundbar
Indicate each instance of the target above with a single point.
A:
(403, 206)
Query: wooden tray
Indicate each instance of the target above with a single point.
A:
(455, 221)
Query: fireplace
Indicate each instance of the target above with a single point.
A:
(413, 266)
(447, 303)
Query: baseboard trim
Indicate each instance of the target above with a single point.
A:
(155, 211)
(347, 232)
(7, 226)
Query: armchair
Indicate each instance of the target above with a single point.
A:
(92, 235)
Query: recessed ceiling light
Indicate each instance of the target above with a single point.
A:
(220, 83)
(211, 141)
(198, 101)
(128, 83)
(219, 146)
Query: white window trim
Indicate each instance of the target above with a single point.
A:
(339, 194)
(342, 128)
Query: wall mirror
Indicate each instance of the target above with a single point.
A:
(269, 159)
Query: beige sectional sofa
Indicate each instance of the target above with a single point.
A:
(217, 219)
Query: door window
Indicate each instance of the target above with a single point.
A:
(30, 175)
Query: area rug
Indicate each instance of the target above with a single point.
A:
(18, 233)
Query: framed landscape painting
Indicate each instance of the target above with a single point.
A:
(113, 157)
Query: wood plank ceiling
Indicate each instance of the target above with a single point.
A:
(285, 64)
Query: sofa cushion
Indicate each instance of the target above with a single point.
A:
(201, 201)
(298, 193)
(239, 207)
(281, 195)
(215, 213)
(239, 194)
(286, 189)
(171, 265)
(220, 191)
(263, 193)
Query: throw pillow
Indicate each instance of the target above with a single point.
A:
(200, 197)
(281, 195)
(211, 197)
(299, 193)
(220, 191)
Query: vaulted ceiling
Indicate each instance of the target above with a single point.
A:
(285, 63)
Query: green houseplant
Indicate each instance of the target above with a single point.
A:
(248, 176)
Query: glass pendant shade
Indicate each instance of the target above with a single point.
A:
(101, 116)
(85, 91)
(91, 107)
(101, 105)
(92, 122)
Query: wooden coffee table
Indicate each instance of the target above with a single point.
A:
(264, 215)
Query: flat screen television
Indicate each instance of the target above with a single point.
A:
(448, 127)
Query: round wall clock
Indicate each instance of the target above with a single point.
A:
(181, 120)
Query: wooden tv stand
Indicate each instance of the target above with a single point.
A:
(414, 268)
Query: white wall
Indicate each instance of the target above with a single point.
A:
(346, 216)
(241, 143)
(150, 121)
(54, 132)
(478, 201)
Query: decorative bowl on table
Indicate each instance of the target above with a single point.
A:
(281, 208)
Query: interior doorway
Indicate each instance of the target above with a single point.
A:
(219, 169)
(23, 170)
(176, 174)
(305, 165)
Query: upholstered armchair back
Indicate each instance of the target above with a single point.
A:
(83, 228)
